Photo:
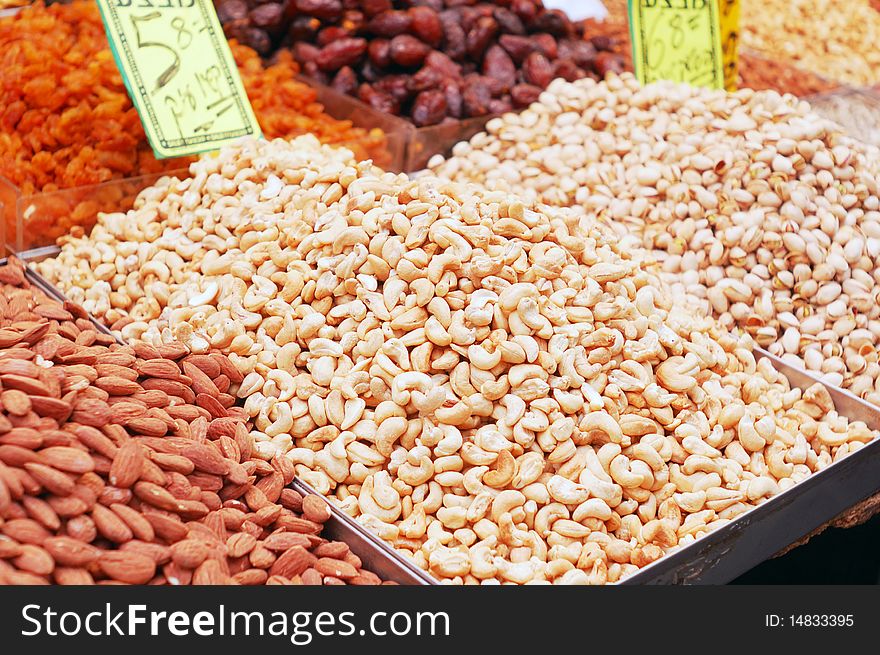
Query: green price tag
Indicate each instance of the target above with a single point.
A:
(678, 40)
(179, 73)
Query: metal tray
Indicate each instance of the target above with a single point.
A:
(377, 556)
(716, 558)
(39, 254)
(757, 535)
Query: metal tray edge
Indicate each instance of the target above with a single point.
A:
(792, 515)
(30, 257)
(409, 572)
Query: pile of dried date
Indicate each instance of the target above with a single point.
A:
(428, 60)
(124, 464)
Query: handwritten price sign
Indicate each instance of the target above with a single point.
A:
(692, 41)
(179, 72)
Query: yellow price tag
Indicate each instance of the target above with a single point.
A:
(180, 74)
(678, 40)
(729, 11)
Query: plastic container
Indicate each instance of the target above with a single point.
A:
(857, 111)
(40, 219)
(422, 143)
(343, 107)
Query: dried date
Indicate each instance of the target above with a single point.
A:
(344, 52)
(329, 10)
(538, 70)
(426, 25)
(429, 108)
(389, 24)
(500, 67)
(345, 81)
(408, 51)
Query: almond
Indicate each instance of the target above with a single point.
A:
(67, 551)
(159, 553)
(297, 524)
(9, 548)
(12, 481)
(94, 439)
(210, 573)
(28, 385)
(24, 367)
(5, 497)
(336, 568)
(170, 387)
(188, 413)
(168, 528)
(26, 438)
(177, 575)
(139, 526)
(175, 463)
(251, 577)
(316, 509)
(156, 496)
(34, 559)
(116, 385)
(114, 370)
(15, 402)
(127, 567)
(151, 427)
(110, 526)
(291, 499)
(364, 578)
(17, 456)
(63, 458)
(117, 357)
(222, 427)
(334, 549)
(158, 368)
(262, 558)
(205, 364)
(189, 553)
(311, 577)
(239, 545)
(121, 412)
(212, 405)
(228, 369)
(55, 408)
(51, 479)
(201, 382)
(206, 458)
(53, 311)
(41, 511)
(127, 465)
(271, 485)
(68, 506)
(174, 350)
(82, 528)
(282, 541)
(293, 562)
(72, 576)
(93, 412)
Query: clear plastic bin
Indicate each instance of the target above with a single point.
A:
(857, 111)
(343, 107)
(422, 143)
(42, 218)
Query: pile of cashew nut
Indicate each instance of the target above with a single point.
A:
(499, 390)
(761, 212)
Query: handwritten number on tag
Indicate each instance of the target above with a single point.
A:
(169, 73)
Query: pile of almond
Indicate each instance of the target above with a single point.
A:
(131, 464)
